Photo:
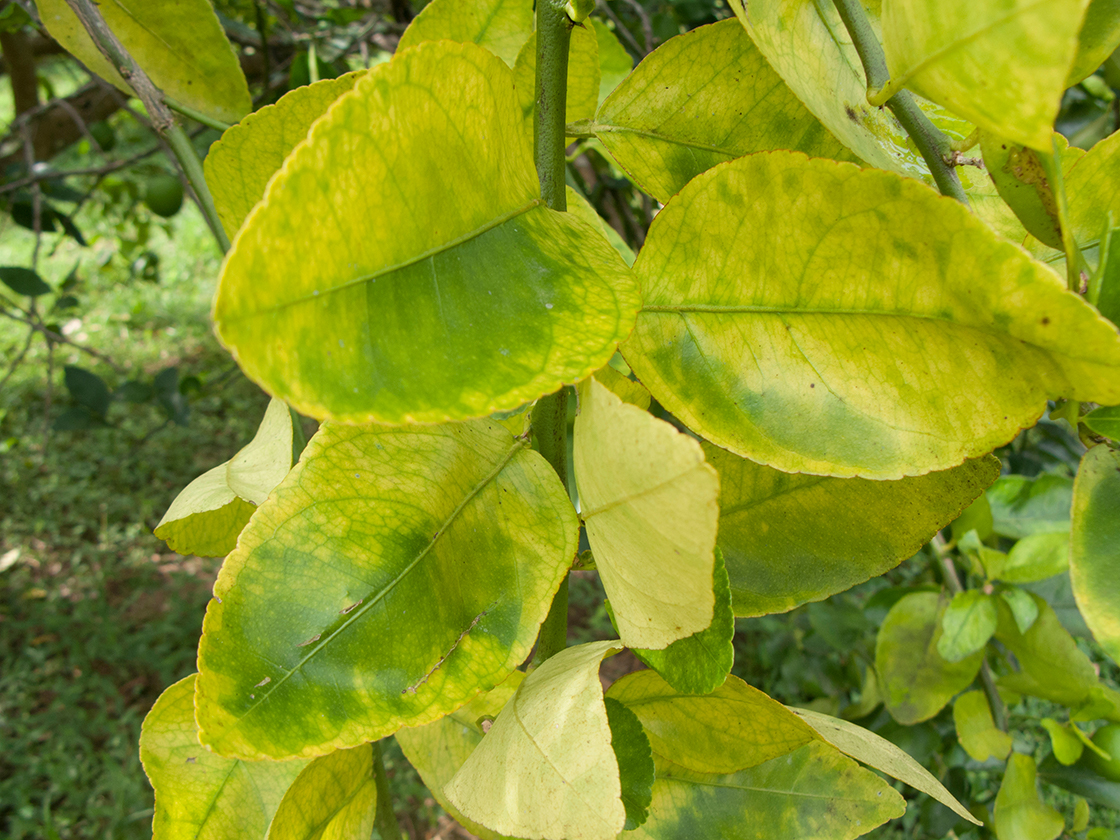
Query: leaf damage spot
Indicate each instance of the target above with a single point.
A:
(474, 623)
(312, 640)
(265, 681)
(352, 607)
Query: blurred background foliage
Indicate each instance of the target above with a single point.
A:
(114, 394)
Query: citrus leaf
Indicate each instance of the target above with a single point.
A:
(809, 47)
(1081, 780)
(546, 768)
(23, 281)
(615, 63)
(1022, 49)
(625, 389)
(731, 729)
(635, 761)
(1066, 746)
(700, 663)
(437, 750)
(976, 731)
(649, 503)
(1035, 557)
(209, 513)
(200, 794)
(766, 315)
(240, 164)
(1019, 813)
(460, 302)
(967, 624)
(812, 793)
(581, 208)
(1022, 606)
(916, 681)
(876, 751)
(1098, 39)
(335, 796)
(501, 26)
(1052, 665)
(376, 529)
(669, 120)
(1104, 421)
(583, 76)
(1095, 546)
(1022, 506)
(180, 45)
(88, 389)
(791, 538)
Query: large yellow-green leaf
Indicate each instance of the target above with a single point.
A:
(731, 729)
(1053, 667)
(700, 99)
(582, 94)
(1093, 188)
(790, 538)
(1001, 64)
(207, 516)
(546, 768)
(821, 318)
(239, 166)
(976, 731)
(649, 503)
(812, 793)
(1019, 814)
(501, 26)
(377, 588)
(1098, 38)
(809, 47)
(915, 680)
(1095, 545)
(402, 266)
(876, 751)
(200, 795)
(180, 45)
(334, 797)
(437, 750)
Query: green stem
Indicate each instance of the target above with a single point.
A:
(197, 116)
(163, 122)
(554, 31)
(934, 146)
(385, 820)
(550, 414)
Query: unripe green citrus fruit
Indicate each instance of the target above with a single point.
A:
(1108, 739)
(164, 195)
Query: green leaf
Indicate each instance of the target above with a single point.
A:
(915, 679)
(1104, 421)
(812, 793)
(200, 794)
(1081, 780)
(1035, 557)
(1098, 38)
(809, 46)
(731, 729)
(871, 281)
(967, 624)
(1095, 546)
(582, 95)
(1102, 702)
(941, 51)
(335, 796)
(581, 208)
(635, 761)
(88, 389)
(239, 166)
(180, 45)
(791, 538)
(670, 120)
(976, 731)
(1019, 813)
(209, 514)
(378, 529)
(1067, 747)
(438, 750)
(1094, 193)
(470, 297)
(649, 503)
(625, 389)
(1022, 605)
(23, 281)
(1052, 665)
(546, 768)
(878, 752)
(501, 26)
(1080, 815)
(976, 517)
(615, 63)
(700, 663)
(1022, 506)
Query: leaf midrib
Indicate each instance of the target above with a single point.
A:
(389, 269)
(608, 128)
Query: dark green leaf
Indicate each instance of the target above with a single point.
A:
(1082, 781)
(23, 281)
(635, 761)
(88, 389)
(77, 419)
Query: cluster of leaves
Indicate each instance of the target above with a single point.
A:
(845, 347)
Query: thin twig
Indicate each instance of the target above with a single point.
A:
(48, 398)
(56, 175)
(36, 196)
(644, 22)
(18, 360)
(58, 338)
(620, 28)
